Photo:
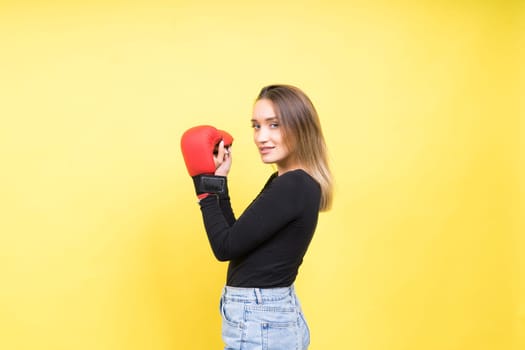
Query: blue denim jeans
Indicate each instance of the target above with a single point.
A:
(263, 319)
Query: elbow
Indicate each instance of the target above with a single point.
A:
(221, 249)
(221, 256)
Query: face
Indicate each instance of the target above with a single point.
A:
(268, 137)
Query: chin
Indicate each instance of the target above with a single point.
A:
(267, 161)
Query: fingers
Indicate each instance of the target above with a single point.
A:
(224, 163)
(218, 157)
(227, 154)
(221, 151)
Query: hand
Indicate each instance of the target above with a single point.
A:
(204, 166)
(223, 160)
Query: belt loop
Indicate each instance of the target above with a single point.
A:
(258, 296)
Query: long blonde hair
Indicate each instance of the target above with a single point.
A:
(303, 135)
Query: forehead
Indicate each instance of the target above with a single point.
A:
(263, 109)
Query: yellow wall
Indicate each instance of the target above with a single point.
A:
(101, 243)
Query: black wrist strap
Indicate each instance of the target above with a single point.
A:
(210, 184)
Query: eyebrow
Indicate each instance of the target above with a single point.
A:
(266, 119)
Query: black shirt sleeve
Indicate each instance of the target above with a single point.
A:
(226, 208)
(276, 206)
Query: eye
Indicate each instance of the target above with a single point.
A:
(274, 125)
(256, 126)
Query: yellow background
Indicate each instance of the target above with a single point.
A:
(101, 241)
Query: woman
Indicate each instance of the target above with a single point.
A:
(265, 246)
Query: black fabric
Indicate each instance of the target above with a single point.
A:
(209, 184)
(267, 243)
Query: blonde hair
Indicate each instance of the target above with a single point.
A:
(303, 135)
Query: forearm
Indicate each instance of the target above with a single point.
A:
(227, 210)
(217, 226)
(224, 200)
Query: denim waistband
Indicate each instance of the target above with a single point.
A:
(258, 295)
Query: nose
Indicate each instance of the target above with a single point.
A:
(261, 135)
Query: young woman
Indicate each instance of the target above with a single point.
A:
(266, 244)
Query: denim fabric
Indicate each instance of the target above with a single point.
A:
(263, 319)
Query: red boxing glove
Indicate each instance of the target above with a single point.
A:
(198, 145)
(227, 138)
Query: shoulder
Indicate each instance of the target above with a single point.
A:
(298, 188)
(293, 190)
(296, 179)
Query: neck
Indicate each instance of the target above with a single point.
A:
(281, 170)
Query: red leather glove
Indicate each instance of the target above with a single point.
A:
(198, 145)
(227, 138)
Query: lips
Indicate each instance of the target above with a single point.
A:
(265, 150)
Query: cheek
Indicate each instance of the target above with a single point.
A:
(277, 136)
(281, 140)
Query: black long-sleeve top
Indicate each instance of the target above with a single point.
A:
(267, 243)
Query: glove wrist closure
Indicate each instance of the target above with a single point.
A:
(210, 184)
